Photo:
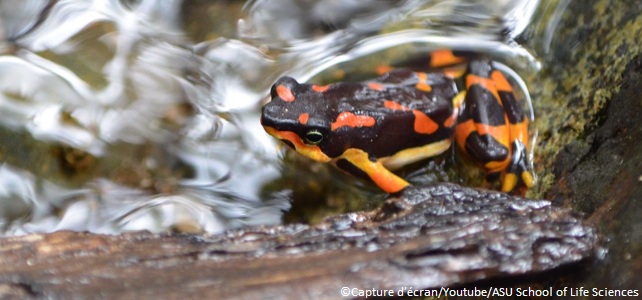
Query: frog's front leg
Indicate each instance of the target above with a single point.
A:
(492, 127)
(358, 162)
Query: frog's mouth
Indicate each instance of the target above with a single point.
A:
(293, 140)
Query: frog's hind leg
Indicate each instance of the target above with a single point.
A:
(492, 127)
(520, 167)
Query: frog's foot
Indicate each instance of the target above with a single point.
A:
(492, 128)
(518, 171)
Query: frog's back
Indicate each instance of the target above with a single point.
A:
(404, 110)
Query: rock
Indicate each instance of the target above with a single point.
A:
(604, 182)
(427, 237)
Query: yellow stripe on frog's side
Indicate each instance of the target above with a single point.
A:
(310, 151)
(386, 180)
(411, 155)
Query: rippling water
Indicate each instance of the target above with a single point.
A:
(126, 115)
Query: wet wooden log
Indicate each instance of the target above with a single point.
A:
(428, 237)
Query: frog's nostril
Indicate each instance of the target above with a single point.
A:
(265, 116)
(269, 109)
(272, 115)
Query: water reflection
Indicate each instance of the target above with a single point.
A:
(131, 125)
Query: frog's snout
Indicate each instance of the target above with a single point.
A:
(270, 114)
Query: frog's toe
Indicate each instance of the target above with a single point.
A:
(519, 170)
(509, 182)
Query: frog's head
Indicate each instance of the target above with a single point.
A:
(293, 117)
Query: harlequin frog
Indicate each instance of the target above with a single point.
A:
(370, 128)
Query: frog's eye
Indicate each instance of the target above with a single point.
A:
(313, 137)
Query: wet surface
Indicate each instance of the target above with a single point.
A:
(602, 176)
(113, 120)
(85, 161)
(130, 115)
(591, 148)
(428, 237)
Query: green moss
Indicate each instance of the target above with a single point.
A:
(590, 49)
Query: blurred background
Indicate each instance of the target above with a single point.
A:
(144, 114)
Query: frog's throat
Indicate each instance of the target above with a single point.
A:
(311, 151)
(411, 155)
